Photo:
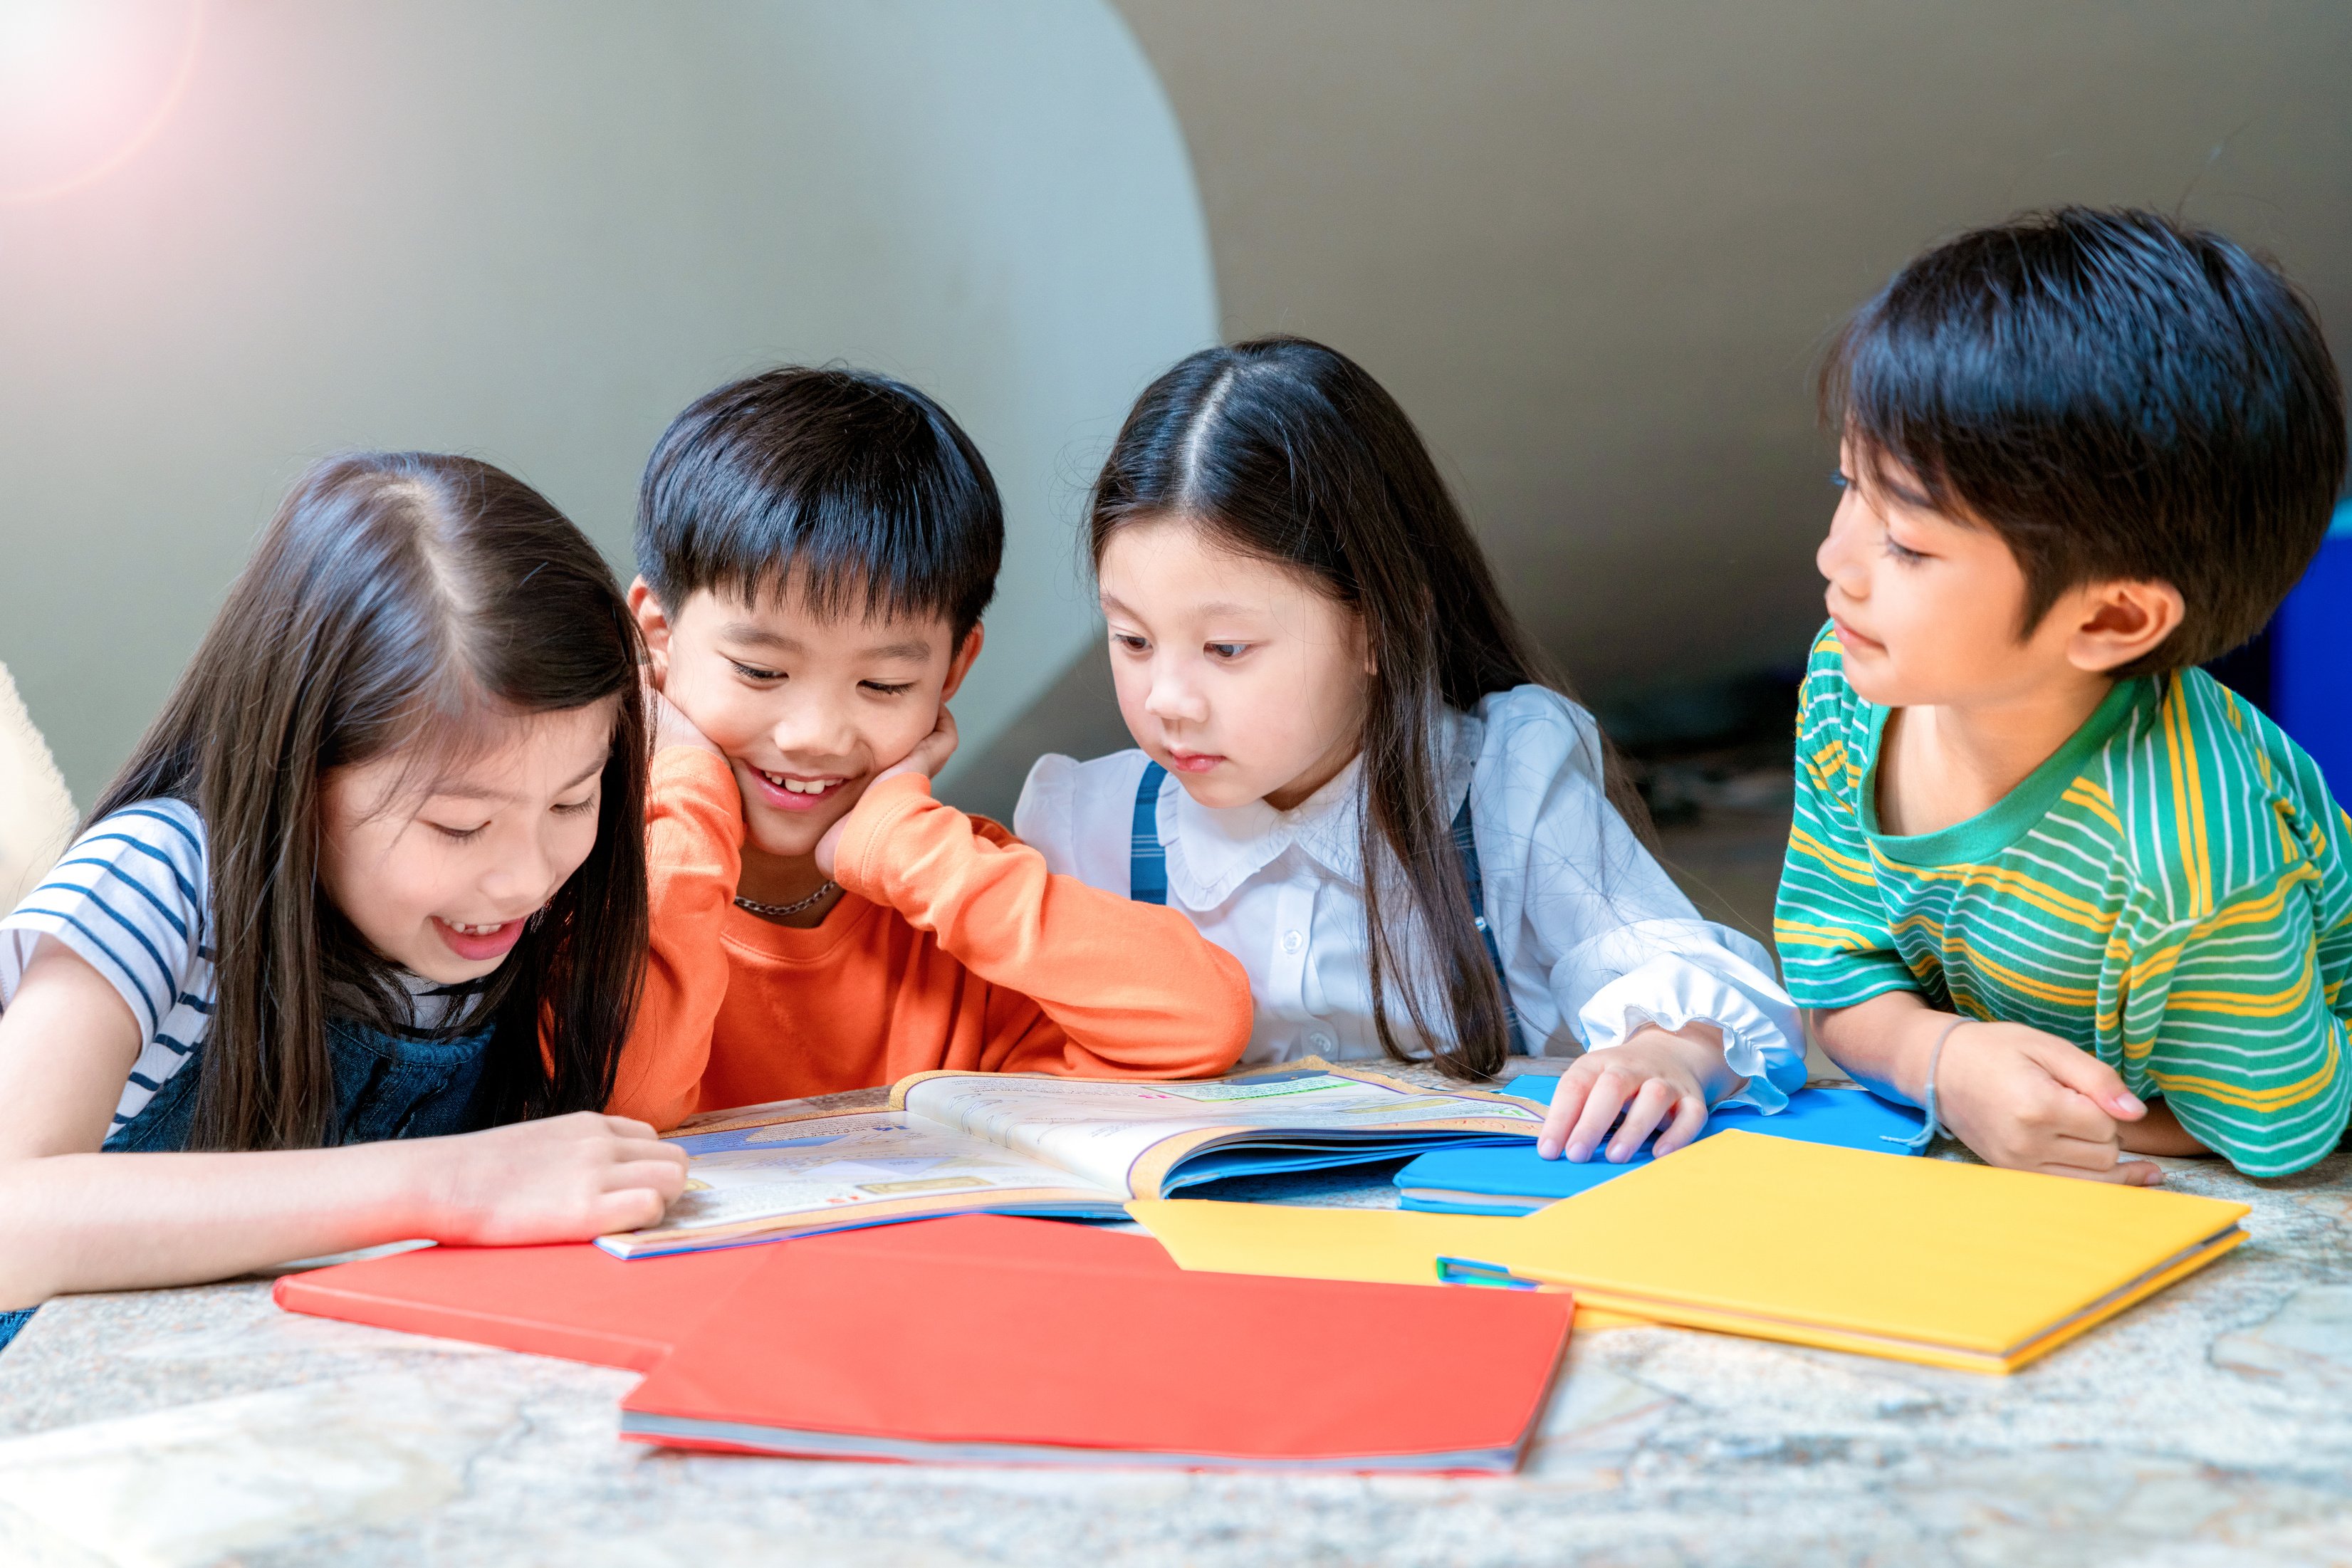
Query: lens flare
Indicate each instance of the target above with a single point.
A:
(86, 85)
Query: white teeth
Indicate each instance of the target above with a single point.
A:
(798, 786)
(465, 930)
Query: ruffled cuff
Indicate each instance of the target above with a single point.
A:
(1761, 1033)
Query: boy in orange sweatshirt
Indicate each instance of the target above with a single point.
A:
(815, 549)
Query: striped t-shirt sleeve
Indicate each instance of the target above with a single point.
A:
(129, 897)
(2232, 1017)
(1830, 923)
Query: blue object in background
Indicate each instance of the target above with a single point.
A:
(1517, 1180)
(2311, 658)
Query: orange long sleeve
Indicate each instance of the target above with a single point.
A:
(951, 947)
(694, 858)
(1135, 989)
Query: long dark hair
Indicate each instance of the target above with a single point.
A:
(1289, 451)
(396, 600)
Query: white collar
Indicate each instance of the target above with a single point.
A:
(1213, 850)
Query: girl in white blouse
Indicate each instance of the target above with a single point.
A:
(1355, 777)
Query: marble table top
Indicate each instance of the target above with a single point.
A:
(2209, 1427)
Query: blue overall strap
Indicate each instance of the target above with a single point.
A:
(1147, 861)
(1467, 845)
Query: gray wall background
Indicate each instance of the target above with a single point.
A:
(1596, 248)
(533, 231)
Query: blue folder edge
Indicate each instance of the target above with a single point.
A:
(1517, 1180)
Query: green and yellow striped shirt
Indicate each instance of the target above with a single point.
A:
(2169, 892)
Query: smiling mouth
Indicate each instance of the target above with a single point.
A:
(792, 792)
(476, 942)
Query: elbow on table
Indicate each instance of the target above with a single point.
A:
(30, 1242)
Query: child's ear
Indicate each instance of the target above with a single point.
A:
(653, 625)
(960, 665)
(2116, 623)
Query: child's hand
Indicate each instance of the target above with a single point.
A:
(567, 1178)
(672, 727)
(1654, 1078)
(930, 755)
(2033, 1102)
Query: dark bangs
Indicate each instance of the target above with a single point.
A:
(857, 489)
(2119, 396)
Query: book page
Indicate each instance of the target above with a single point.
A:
(804, 1173)
(1101, 1132)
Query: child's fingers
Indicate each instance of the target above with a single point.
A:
(1566, 1104)
(632, 1209)
(2092, 1079)
(630, 1127)
(659, 1176)
(1690, 1116)
(1651, 1105)
(2054, 1110)
(2129, 1173)
(1602, 1103)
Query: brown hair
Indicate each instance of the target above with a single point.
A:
(1291, 452)
(396, 600)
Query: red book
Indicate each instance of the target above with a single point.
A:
(581, 1304)
(869, 1352)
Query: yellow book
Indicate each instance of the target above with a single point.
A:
(1923, 1260)
(1387, 1246)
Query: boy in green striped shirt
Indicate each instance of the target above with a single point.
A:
(2048, 878)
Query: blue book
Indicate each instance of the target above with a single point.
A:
(1516, 1180)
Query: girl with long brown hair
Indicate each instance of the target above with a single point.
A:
(347, 953)
(1356, 775)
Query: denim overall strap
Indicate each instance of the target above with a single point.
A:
(386, 1085)
(1465, 844)
(1147, 860)
(1147, 879)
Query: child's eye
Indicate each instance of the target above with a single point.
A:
(1902, 553)
(1227, 650)
(754, 672)
(460, 835)
(1131, 642)
(887, 689)
(574, 807)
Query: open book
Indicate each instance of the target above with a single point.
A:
(972, 1142)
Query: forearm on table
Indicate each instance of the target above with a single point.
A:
(1885, 1042)
(120, 1222)
(2160, 1132)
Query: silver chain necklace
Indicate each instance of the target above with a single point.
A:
(778, 911)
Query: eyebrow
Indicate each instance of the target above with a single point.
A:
(1220, 608)
(463, 791)
(758, 636)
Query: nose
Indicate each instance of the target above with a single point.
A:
(1837, 559)
(522, 879)
(815, 734)
(1174, 699)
